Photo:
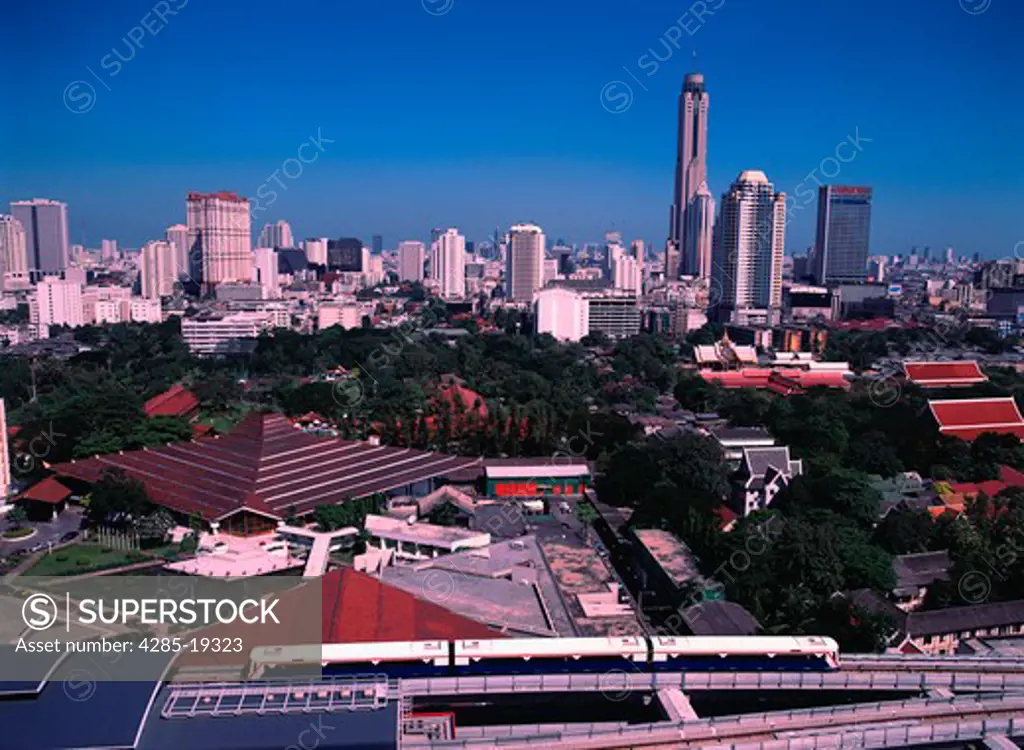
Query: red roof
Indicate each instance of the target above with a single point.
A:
(1008, 477)
(201, 430)
(784, 381)
(357, 608)
(944, 374)
(176, 401)
(47, 491)
(970, 417)
(267, 457)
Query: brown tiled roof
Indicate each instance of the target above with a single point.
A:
(266, 463)
(176, 401)
(47, 491)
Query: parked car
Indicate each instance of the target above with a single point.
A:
(68, 536)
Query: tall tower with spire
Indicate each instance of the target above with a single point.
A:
(692, 213)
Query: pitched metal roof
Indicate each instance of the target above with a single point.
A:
(268, 465)
(944, 374)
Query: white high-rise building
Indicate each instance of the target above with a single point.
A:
(5, 456)
(283, 234)
(411, 257)
(220, 238)
(701, 221)
(561, 312)
(265, 272)
(56, 302)
(524, 267)
(177, 235)
(627, 274)
(13, 252)
(277, 235)
(448, 264)
(689, 235)
(46, 233)
(157, 269)
(316, 251)
(749, 245)
(108, 250)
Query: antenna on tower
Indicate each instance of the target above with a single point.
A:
(695, 59)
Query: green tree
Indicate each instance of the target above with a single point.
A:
(16, 517)
(905, 531)
(118, 500)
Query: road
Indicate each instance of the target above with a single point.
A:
(51, 532)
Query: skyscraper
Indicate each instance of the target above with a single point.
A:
(841, 245)
(276, 235)
(316, 250)
(377, 243)
(689, 225)
(46, 233)
(749, 245)
(158, 269)
(57, 302)
(411, 256)
(108, 250)
(524, 265)
(13, 252)
(177, 235)
(283, 234)
(5, 460)
(220, 238)
(345, 254)
(448, 264)
(265, 271)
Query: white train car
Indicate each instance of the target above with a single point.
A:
(398, 659)
(547, 655)
(744, 653)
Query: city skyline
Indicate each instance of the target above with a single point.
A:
(598, 168)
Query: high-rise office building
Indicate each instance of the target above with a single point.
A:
(265, 271)
(276, 235)
(377, 243)
(108, 250)
(690, 220)
(345, 254)
(841, 244)
(46, 233)
(57, 302)
(700, 219)
(13, 252)
(448, 264)
(524, 264)
(749, 245)
(158, 269)
(177, 235)
(5, 456)
(316, 250)
(411, 257)
(627, 274)
(283, 234)
(220, 238)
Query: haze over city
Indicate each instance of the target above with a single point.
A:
(478, 115)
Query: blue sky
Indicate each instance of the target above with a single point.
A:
(482, 113)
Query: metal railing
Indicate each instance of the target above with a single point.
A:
(282, 697)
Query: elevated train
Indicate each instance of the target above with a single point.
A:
(511, 656)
